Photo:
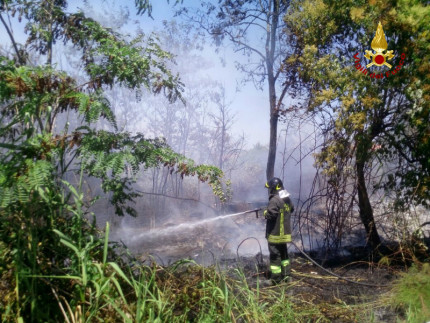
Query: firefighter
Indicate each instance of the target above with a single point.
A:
(278, 230)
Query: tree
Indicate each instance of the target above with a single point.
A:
(368, 120)
(39, 210)
(254, 28)
(225, 148)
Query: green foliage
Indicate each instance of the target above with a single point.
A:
(391, 113)
(95, 281)
(411, 293)
(375, 130)
(52, 260)
(109, 156)
(109, 59)
(34, 96)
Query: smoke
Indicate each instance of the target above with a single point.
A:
(219, 236)
(194, 130)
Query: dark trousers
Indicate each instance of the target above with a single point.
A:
(280, 266)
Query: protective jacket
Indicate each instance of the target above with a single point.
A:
(278, 215)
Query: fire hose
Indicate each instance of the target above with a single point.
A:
(334, 274)
(310, 259)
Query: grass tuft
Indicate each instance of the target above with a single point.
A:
(411, 294)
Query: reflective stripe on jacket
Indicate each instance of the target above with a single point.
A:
(278, 226)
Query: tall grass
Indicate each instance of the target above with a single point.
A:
(411, 294)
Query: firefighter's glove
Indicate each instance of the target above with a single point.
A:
(266, 214)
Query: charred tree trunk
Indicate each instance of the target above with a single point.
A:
(366, 211)
(274, 116)
(364, 146)
(270, 170)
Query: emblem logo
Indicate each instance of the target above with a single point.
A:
(379, 45)
(378, 58)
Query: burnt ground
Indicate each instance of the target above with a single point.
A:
(311, 286)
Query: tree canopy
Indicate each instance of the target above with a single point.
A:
(368, 119)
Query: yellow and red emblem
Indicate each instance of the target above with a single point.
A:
(379, 45)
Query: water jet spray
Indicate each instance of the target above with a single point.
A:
(185, 226)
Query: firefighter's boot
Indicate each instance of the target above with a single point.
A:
(286, 270)
(275, 274)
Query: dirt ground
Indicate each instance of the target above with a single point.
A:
(312, 285)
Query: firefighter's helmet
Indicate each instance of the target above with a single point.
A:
(274, 185)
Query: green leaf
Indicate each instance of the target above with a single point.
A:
(120, 272)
